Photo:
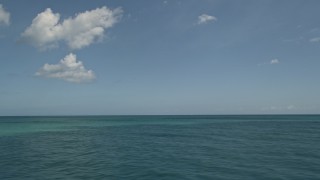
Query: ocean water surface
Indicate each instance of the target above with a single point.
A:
(160, 147)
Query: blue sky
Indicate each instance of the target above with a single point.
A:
(159, 57)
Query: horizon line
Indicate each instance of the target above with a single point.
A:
(279, 114)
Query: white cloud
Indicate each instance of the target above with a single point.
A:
(68, 69)
(280, 108)
(291, 107)
(205, 18)
(316, 39)
(274, 61)
(271, 62)
(4, 16)
(47, 30)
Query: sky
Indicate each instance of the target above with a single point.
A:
(161, 57)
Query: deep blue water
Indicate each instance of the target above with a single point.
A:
(160, 147)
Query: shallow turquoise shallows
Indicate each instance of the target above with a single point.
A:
(160, 147)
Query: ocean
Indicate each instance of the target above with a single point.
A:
(257, 147)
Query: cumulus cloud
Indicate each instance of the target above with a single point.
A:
(68, 69)
(271, 62)
(280, 108)
(205, 18)
(48, 30)
(291, 107)
(316, 39)
(4, 16)
(274, 61)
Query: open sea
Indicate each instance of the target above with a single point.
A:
(271, 147)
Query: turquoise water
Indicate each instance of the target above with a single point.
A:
(160, 147)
